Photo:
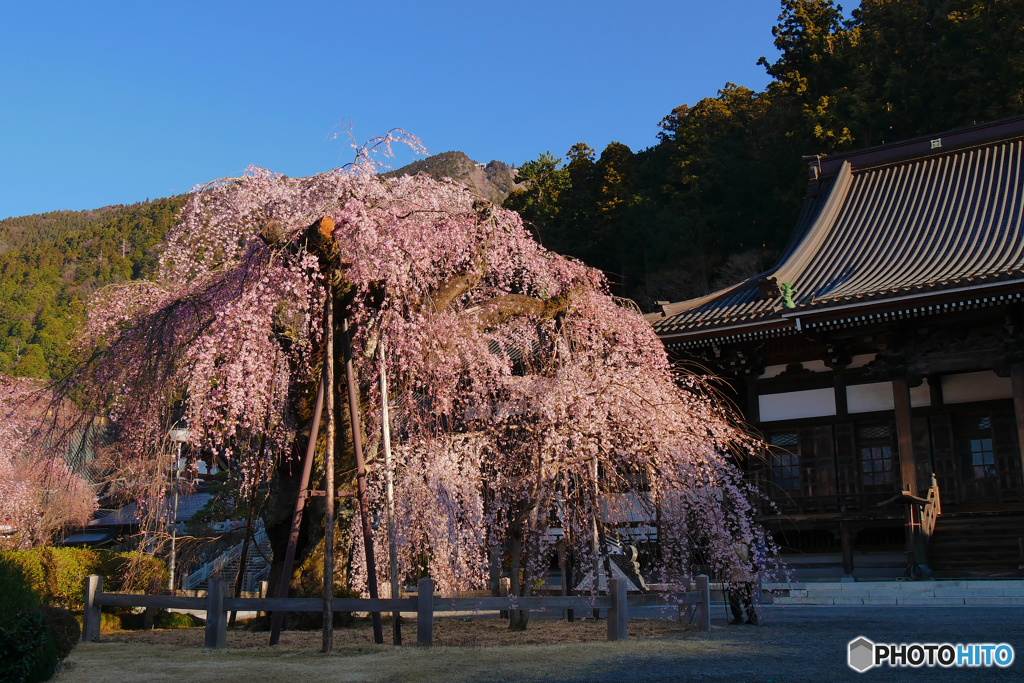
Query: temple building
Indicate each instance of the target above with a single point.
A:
(882, 358)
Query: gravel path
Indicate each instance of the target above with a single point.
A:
(809, 643)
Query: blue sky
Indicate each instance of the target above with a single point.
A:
(104, 103)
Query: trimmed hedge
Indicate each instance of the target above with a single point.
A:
(27, 652)
(56, 575)
(16, 593)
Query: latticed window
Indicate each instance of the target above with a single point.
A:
(875, 445)
(785, 459)
(974, 446)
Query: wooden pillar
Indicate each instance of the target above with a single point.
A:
(840, 388)
(1017, 381)
(425, 613)
(847, 544)
(753, 403)
(617, 615)
(905, 434)
(91, 613)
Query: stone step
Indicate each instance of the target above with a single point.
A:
(1008, 592)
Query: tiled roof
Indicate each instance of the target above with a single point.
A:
(932, 214)
(188, 505)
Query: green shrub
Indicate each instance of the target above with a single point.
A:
(64, 629)
(57, 575)
(27, 652)
(176, 620)
(15, 588)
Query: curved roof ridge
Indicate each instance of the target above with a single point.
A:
(690, 304)
(819, 230)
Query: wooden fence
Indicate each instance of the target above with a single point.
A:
(217, 605)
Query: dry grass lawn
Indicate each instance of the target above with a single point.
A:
(465, 649)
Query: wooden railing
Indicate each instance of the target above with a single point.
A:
(424, 604)
(930, 511)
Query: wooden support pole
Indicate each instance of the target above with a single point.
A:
(1017, 382)
(617, 613)
(905, 434)
(328, 588)
(425, 613)
(300, 504)
(216, 619)
(595, 531)
(364, 505)
(704, 606)
(93, 585)
(385, 427)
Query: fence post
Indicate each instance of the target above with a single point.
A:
(216, 619)
(425, 613)
(93, 584)
(504, 585)
(617, 612)
(704, 607)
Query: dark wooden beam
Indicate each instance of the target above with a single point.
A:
(905, 433)
(1017, 382)
(847, 544)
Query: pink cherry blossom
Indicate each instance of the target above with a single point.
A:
(513, 371)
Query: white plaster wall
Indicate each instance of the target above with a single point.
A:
(793, 405)
(968, 387)
(860, 360)
(867, 398)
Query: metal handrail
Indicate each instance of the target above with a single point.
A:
(217, 564)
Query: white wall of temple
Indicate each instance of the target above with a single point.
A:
(869, 397)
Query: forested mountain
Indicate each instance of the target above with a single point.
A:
(492, 181)
(54, 262)
(28, 231)
(716, 198)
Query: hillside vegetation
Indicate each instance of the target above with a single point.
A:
(715, 200)
(53, 263)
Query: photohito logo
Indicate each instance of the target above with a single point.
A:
(862, 654)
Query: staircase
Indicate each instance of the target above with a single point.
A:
(225, 566)
(976, 544)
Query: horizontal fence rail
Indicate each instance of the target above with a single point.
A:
(425, 604)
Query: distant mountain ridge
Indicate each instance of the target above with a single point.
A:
(493, 180)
